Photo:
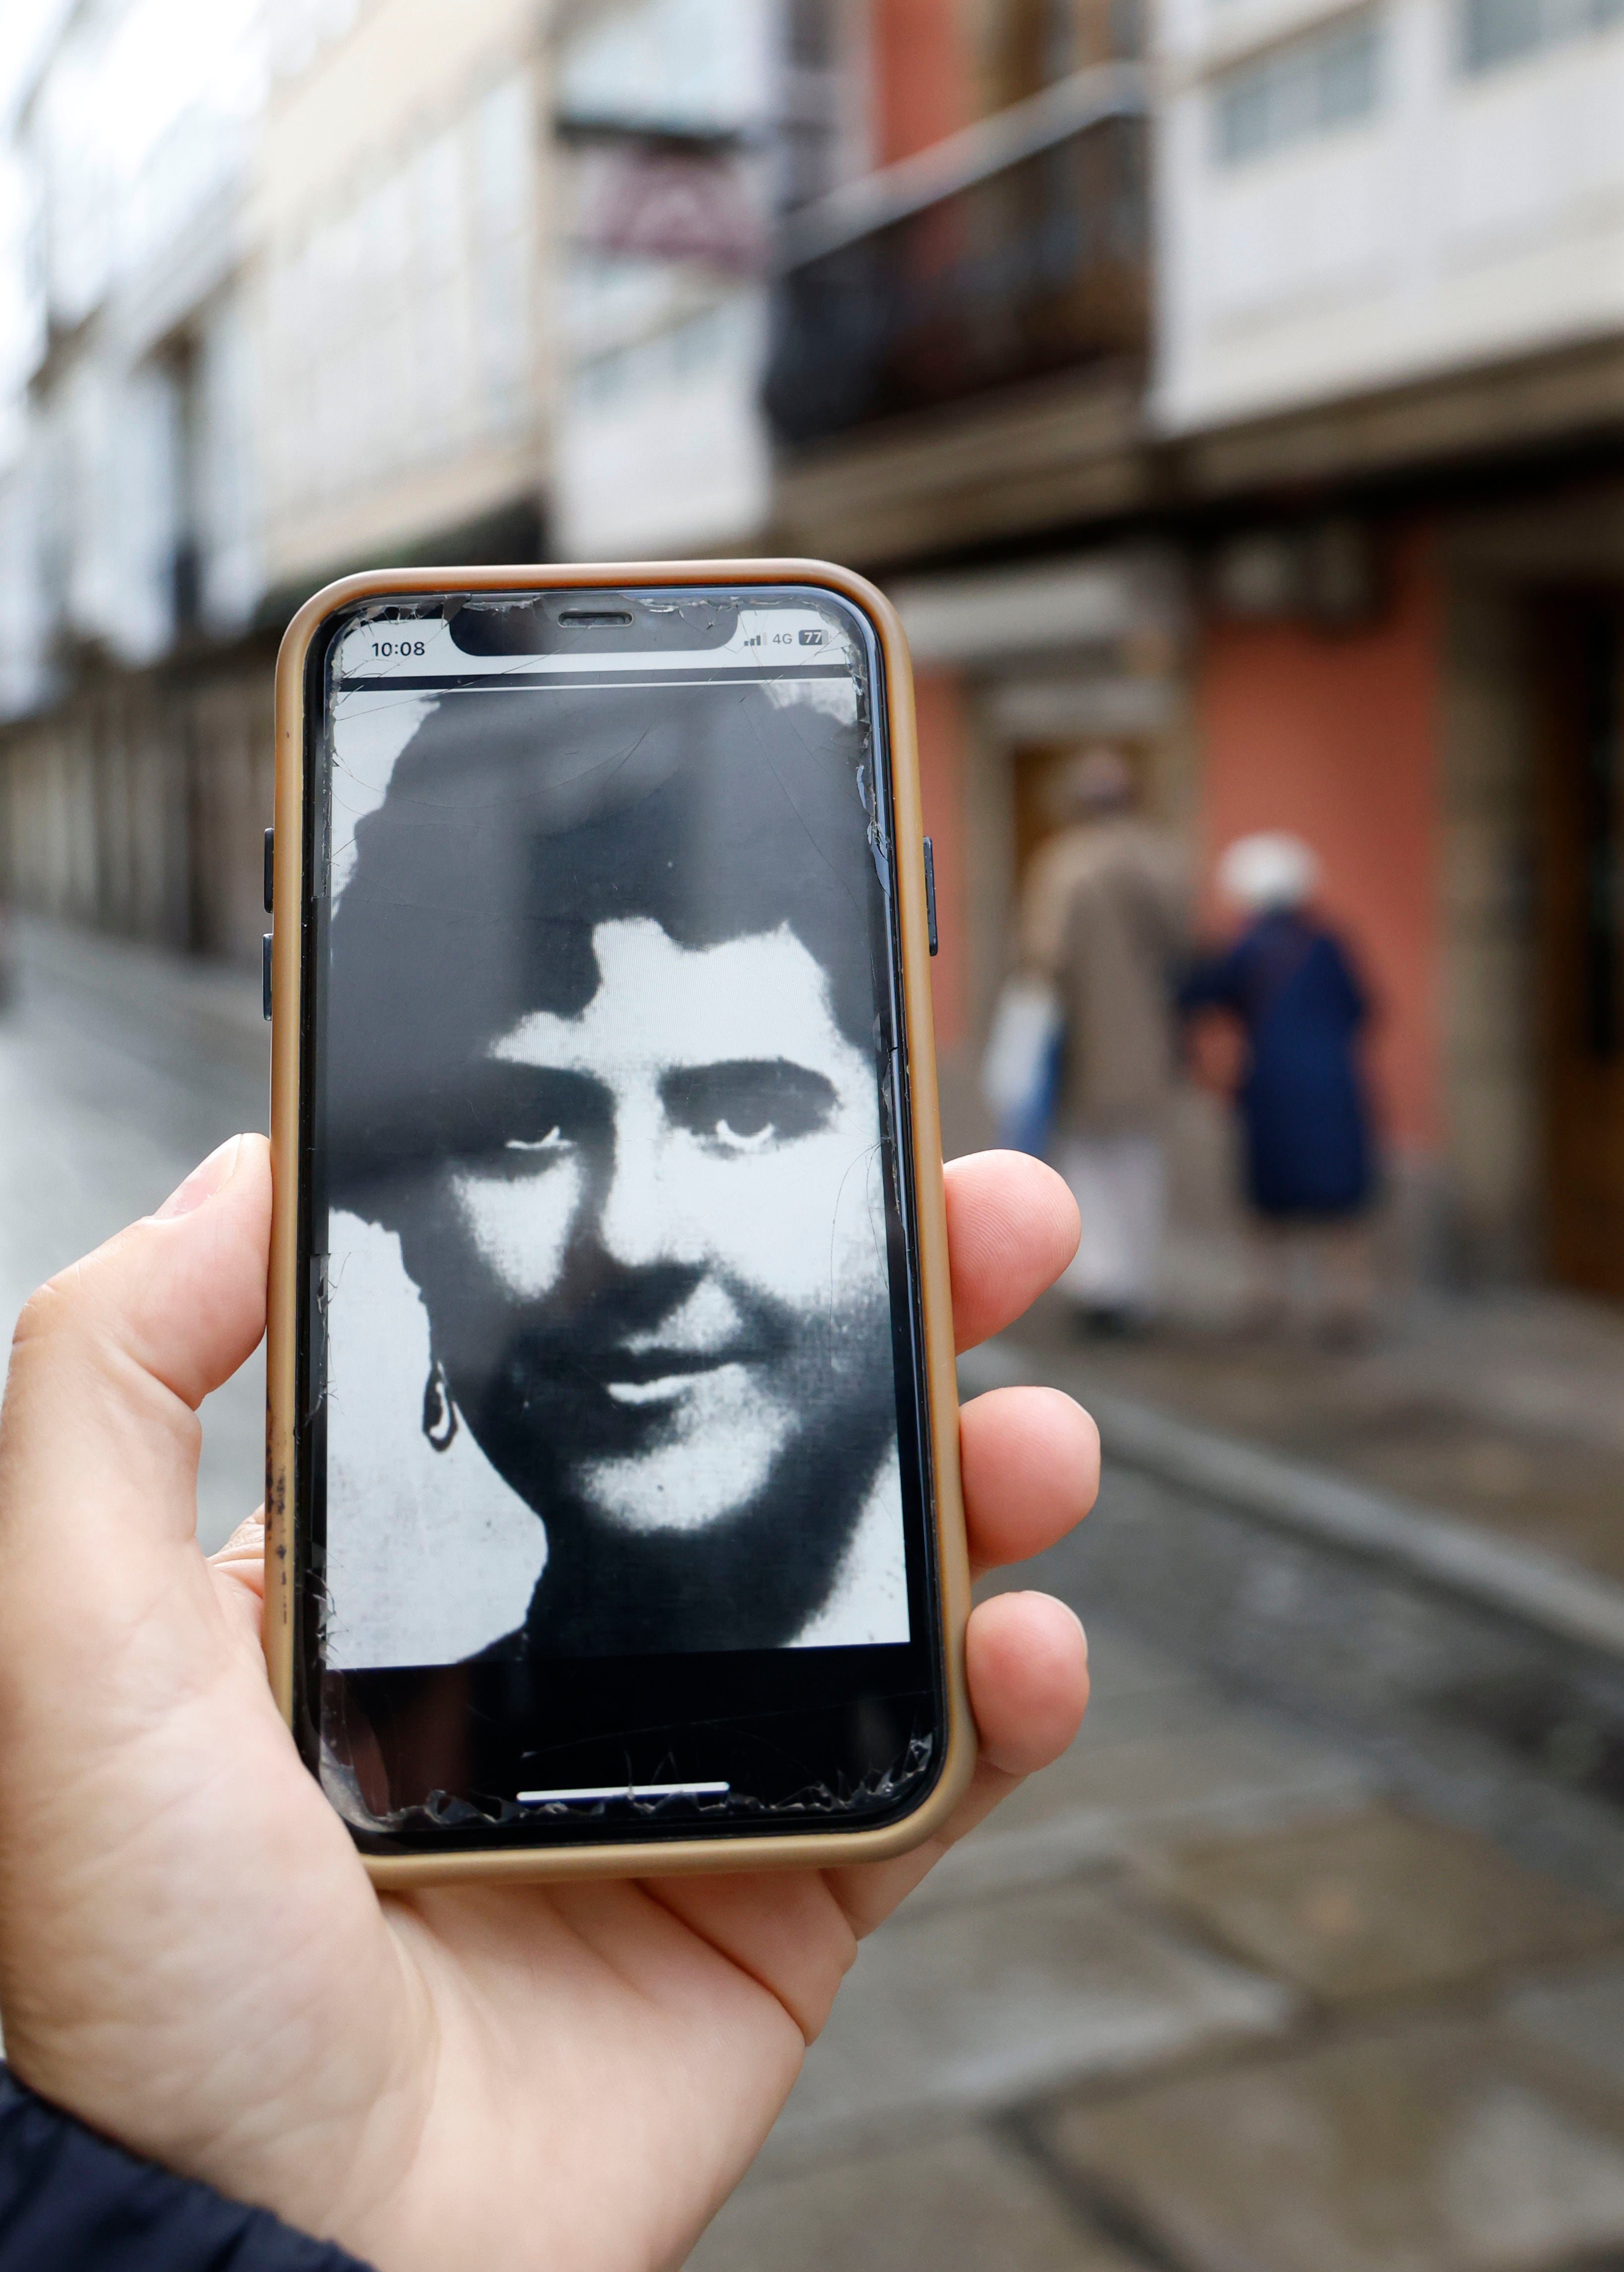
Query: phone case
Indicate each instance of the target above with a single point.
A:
(813, 1849)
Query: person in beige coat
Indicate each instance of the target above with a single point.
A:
(1104, 918)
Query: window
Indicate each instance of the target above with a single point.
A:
(1495, 31)
(1311, 87)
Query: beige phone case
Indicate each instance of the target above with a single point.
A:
(811, 1850)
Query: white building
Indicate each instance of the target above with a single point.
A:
(321, 284)
(133, 144)
(666, 110)
(1354, 199)
(400, 292)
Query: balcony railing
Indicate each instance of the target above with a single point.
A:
(1015, 249)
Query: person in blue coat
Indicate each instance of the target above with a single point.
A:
(1305, 1123)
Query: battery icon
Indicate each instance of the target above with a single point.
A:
(813, 638)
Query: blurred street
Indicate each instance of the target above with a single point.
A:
(1309, 1957)
(1501, 1409)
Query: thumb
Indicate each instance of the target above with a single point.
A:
(99, 1435)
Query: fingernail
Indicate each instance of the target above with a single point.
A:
(204, 1181)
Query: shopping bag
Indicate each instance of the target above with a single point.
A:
(1020, 1071)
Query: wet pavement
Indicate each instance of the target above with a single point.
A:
(1309, 1957)
(1293, 1964)
(1503, 1410)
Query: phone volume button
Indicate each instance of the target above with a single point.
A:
(265, 973)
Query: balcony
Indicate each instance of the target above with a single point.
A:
(1013, 251)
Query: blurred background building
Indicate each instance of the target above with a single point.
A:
(1256, 395)
(1241, 383)
(367, 284)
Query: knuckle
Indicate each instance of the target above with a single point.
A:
(44, 1313)
(58, 1318)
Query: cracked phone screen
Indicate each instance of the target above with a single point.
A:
(615, 1482)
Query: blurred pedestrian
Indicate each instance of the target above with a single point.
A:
(1309, 1170)
(1104, 920)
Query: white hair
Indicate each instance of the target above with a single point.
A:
(1270, 869)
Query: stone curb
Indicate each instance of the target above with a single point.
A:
(1518, 1581)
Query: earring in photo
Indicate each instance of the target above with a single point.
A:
(439, 1414)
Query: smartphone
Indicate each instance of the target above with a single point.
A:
(613, 1511)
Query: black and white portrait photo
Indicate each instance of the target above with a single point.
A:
(609, 1362)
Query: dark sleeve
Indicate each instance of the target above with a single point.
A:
(72, 2202)
(1213, 982)
(1353, 1002)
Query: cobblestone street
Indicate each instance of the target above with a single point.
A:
(1292, 1964)
(1308, 1958)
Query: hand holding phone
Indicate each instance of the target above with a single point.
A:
(191, 1956)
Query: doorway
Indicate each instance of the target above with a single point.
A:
(1580, 831)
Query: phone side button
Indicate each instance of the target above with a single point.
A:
(265, 973)
(929, 891)
(270, 866)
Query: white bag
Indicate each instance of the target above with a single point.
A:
(1018, 1071)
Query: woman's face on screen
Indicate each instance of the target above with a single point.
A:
(679, 1217)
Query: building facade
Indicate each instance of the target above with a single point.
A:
(403, 338)
(129, 510)
(1335, 490)
(667, 119)
(375, 282)
(1392, 342)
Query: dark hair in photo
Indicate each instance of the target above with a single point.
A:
(516, 821)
